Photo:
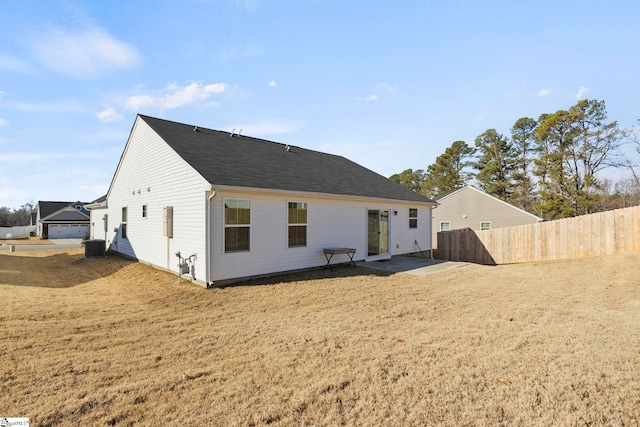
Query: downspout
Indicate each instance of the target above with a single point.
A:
(431, 234)
(210, 197)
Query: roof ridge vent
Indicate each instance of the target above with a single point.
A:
(288, 147)
(232, 134)
(195, 128)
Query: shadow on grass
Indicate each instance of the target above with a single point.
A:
(316, 273)
(66, 270)
(59, 270)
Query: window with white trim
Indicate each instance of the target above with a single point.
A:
(485, 225)
(297, 224)
(123, 223)
(445, 225)
(237, 225)
(413, 217)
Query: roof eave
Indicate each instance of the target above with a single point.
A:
(310, 194)
(99, 205)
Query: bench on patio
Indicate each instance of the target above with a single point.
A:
(330, 252)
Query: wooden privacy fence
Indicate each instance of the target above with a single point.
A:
(597, 234)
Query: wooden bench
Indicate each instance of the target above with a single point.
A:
(330, 252)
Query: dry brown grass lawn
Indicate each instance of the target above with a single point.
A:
(113, 342)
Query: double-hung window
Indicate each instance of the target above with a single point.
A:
(413, 218)
(237, 225)
(485, 225)
(123, 225)
(445, 225)
(297, 224)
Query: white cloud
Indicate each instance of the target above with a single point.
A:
(371, 98)
(545, 92)
(110, 114)
(390, 89)
(272, 83)
(581, 92)
(11, 63)
(174, 96)
(83, 54)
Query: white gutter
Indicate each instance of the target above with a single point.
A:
(315, 195)
(207, 261)
(431, 234)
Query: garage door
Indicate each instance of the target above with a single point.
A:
(69, 231)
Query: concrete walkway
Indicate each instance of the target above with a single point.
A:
(57, 244)
(413, 265)
(76, 242)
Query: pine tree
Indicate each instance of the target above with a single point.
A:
(448, 172)
(414, 180)
(523, 138)
(495, 164)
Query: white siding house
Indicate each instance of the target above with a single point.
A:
(249, 207)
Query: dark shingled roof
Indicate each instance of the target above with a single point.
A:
(47, 208)
(100, 199)
(244, 161)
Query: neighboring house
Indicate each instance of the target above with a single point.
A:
(57, 220)
(469, 207)
(249, 207)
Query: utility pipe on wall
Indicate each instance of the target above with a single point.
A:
(431, 234)
(210, 197)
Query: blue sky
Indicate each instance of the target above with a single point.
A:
(387, 84)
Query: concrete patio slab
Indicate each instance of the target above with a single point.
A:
(413, 265)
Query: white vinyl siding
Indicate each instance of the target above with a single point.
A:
(330, 223)
(151, 173)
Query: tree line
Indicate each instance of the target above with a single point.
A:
(17, 217)
(547, 166)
